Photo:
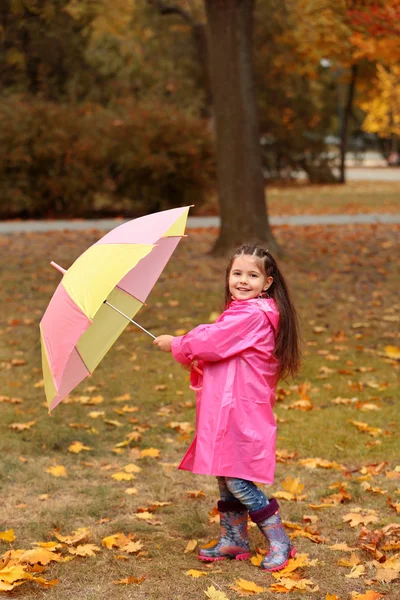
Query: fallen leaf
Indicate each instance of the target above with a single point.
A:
(247, 586)
(21, 426)
(84, 550)
(214, 594)
(194, 573)
(191, 545)
(77, 447)
(7, 536)
(150, 452)
(130, 580)
(57, 471)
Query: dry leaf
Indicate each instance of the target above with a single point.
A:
(121, 476)
(195, 573)
(77, 447)
(356, 572)
(247, 586)
(7, 536)
(213, 594)
(57, 471)
(85, 550)
(150, 452)
(130, 580)
(78, 535)
(21, 426)
(191, 545)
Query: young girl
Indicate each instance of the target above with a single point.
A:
(242, 355)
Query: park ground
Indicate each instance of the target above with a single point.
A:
(104, 462)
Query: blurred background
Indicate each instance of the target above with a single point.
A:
(107, 107)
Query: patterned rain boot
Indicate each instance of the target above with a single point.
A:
(269, 522)
(233, 541)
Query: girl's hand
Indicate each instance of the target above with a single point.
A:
(164, 342)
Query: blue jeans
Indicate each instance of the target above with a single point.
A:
(231, 488)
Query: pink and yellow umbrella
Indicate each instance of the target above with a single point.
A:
(100, 293)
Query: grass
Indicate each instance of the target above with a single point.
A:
(303, 199)
(345, 283)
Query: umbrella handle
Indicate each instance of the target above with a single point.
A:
(199, 371)
(56, 266)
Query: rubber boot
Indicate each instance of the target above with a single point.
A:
(233, 541)
(269, 522)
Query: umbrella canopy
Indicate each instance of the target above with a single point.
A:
(78, 328)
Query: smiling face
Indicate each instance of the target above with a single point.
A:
(246, 278)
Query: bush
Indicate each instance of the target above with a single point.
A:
(60, 160)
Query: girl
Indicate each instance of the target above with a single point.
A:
(242, 355)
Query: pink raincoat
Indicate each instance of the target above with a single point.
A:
(235, 425)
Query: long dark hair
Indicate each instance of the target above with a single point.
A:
(287, 343)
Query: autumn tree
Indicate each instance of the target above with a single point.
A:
(230, 26)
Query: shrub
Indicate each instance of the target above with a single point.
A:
(58, 160)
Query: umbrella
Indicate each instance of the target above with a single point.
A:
(100, 293)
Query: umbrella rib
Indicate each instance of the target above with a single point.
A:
(129, 319)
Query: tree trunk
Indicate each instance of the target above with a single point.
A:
(344, 134)
(239, 168)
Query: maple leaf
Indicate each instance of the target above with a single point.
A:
(132, 468)
(130, 580)
(84, 550)
(78, 535)
(7, 536)
(355, 519)
(286, 585)
(77, 447)
(132, 547)
(191, 545)
(21, 426)
(117, 540)
(369, 595)
(150, 452)
(131, 491)
(214, 594)
(356, 572)
(40, 555)
(247, 586)
(195, 494)
(331, 597)
(57, 471)
(195, 573)
(121, 476)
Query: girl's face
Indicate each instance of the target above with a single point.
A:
(246, 278)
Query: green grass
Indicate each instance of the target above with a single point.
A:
(341, 277)
(302, 199)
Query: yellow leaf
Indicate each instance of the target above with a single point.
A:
(356, 572)
(257, 559)
(121, 476)
(292, 485)
(369, 595)
(132, 547)
(332, 597)
(57, 471)
(392, 352)
(132, 468)
(248, 586)
(118, 540)
(129, 580)
(84, 550)
(150, 452)
(77, 447)
(78, 535)
(40, 555)
(214, 594)
(7, 536)
(284, 495)
(191, 545)
(195, 573)
(131, 491)
(21, 426)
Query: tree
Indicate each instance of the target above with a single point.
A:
(239, 167)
